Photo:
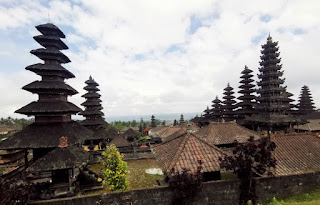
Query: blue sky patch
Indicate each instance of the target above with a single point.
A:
(256, 39)
(265, 18)
(175, 48)
(195, 24)
(298, 31)
(139, 57)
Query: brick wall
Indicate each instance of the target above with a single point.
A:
(218, 192)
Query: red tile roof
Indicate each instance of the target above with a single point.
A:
(167, 133)
(185, 151)
(225, 133)
(297, 154)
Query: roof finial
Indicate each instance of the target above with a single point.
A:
(228, 84)
(269, 39)
(245, 67)
(90, 78)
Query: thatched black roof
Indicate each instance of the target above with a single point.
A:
(61, 158)
(91, 82)
(52, 107)
(91, 88)
(91, 103)
(46, 41)
(47, 86)
(130, 134)
(120, 141)
(50, 69)
(46, 135)
(101, 134)
(50, 29)
(92, 112)
(88, 122)
(50, 54)
(91, 95)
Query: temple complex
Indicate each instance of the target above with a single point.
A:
(273, 107)
(53, 133)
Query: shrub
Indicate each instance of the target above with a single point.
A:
(114, 169)
(185, 184)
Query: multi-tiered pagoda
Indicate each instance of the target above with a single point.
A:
(93, 116)
(229, 104)
(216, 111)
(207, 113)
(181, 121)
(273, 107)
(306, 104)
(54, 138)
(153, 121)
(247, 97)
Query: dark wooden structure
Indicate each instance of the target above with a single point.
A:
(273, 108)
(181, 121)
(216, 111)
(229, 104)
(305, 104)
(247, 97)
(93, 116)
(53, 130)
(153, 121)
(131, 135)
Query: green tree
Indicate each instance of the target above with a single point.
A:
(114, 169)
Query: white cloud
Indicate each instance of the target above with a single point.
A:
(125, 45)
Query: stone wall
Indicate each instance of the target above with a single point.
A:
(218, 192)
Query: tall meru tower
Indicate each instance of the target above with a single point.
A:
(273, 109)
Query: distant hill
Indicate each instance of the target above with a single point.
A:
(167, 117)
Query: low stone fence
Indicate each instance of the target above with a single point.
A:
(215, 193)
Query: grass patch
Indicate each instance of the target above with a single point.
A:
(307, 198)
(137, 176)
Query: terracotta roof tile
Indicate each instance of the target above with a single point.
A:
(185, 151)
(225, 133)
(167, 133)
(297, 154)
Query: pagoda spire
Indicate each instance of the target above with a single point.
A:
(181, 119)
(246, 91)
(92, 112)
(52, 110)
(229, 104)
(52, 104)
(207, 113)
(305, 104)
(153, 121)
(216, 111)
(273, 104)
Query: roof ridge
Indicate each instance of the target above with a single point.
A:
(179, 151)
(211, 145)
(168, 140)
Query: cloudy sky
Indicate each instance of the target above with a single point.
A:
(152, 56)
